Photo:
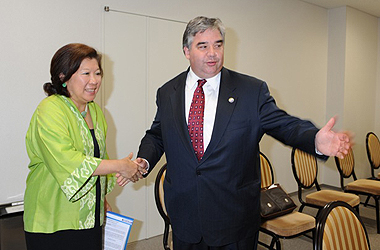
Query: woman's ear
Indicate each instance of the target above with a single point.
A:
(61, 76)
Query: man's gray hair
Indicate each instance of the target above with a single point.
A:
(201, 24)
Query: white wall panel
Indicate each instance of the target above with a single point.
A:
(141, 54)
(124, 87)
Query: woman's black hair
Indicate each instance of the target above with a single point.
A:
(65, 63)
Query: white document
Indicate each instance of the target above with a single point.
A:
(116, 231)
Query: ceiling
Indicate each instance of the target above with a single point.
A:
(368, 6)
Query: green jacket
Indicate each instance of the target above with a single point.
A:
(60, 189)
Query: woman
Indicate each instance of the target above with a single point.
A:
(69, 168)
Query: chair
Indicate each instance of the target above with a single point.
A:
(373, 153)
(366, 187)
(305, 171)
(339, 227)
(160, 203)
(286, 226)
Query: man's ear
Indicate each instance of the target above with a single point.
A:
(186, 51)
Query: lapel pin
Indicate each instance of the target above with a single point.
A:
(231, 100)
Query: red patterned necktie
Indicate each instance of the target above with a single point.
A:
(195, 124)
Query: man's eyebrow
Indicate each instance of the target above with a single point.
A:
(201, 43)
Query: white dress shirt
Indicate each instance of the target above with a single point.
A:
(211, 91)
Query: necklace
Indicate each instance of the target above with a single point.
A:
(84, 113)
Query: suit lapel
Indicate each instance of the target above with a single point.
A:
(226, 105)
(177, 99)
(224, 111)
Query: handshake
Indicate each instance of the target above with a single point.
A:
(131, 171)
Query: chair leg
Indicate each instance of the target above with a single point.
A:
(377, 213)
(166, 237)
(278, 244)
(366, 201)
(275, 241)
(301, 208)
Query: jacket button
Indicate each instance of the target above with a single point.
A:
(198, 172)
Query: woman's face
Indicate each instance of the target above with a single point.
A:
(85, 83)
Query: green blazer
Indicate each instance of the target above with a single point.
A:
(60, 189)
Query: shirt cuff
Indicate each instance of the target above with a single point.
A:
(316, 151)
(147, 165)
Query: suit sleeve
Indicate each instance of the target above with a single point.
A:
(288, 129)
(151, 146)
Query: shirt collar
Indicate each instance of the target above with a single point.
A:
(192, 81)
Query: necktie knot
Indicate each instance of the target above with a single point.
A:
(201, 82)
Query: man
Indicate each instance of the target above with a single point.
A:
(212, 183)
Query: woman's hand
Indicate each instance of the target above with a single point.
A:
(129, 171)
(125, 169)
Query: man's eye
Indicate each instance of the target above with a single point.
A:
(98, 73)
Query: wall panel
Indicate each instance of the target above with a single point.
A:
(141, 53)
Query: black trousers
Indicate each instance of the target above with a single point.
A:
(85, 239)
(245, 244)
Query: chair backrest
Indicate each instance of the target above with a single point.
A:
(305, 168)
(340, 227)
(346, 165)
(267, 177)
(373, 151)
(159, 192)
(160, 203)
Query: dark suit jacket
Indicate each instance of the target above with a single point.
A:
(218, 197)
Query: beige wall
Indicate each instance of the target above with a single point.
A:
(284, 42)
(352, 81)
(377, 112)
(360, 84)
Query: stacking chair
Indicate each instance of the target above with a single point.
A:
(373, 153)
(339, 227)
(305, 171)
(286, 226)
(160, 203)
(366, 187)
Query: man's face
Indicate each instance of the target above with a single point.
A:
(206, 54)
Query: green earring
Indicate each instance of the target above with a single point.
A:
(64, 85)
